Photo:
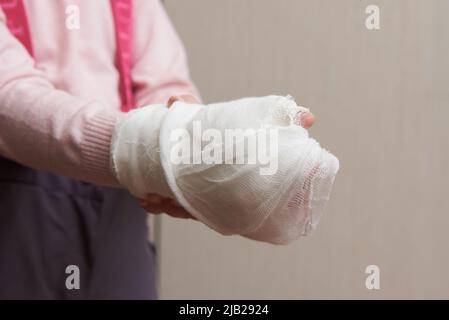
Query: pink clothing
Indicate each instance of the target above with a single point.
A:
(58, 110)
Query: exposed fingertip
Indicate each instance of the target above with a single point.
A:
(172, 100)
(307, 120)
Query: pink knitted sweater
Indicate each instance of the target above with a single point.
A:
(58, 110)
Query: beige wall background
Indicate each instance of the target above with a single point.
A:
(381, 101)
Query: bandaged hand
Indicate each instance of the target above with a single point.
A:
(156, 204)
(227, 194)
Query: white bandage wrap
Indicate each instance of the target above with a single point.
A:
(135, 151)
(274, 191)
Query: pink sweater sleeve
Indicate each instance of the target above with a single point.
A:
(48, 129)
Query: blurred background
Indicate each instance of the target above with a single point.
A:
(381, 101)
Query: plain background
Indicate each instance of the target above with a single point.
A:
(381, 103)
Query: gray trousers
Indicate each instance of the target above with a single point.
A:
(49, 222)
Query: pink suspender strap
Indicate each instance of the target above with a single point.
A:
(17, 22)
(123, 17)
(122, 10)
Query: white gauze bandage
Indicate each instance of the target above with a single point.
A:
(243, 167)
(135, 151)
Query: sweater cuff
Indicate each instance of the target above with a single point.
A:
(95, 148)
